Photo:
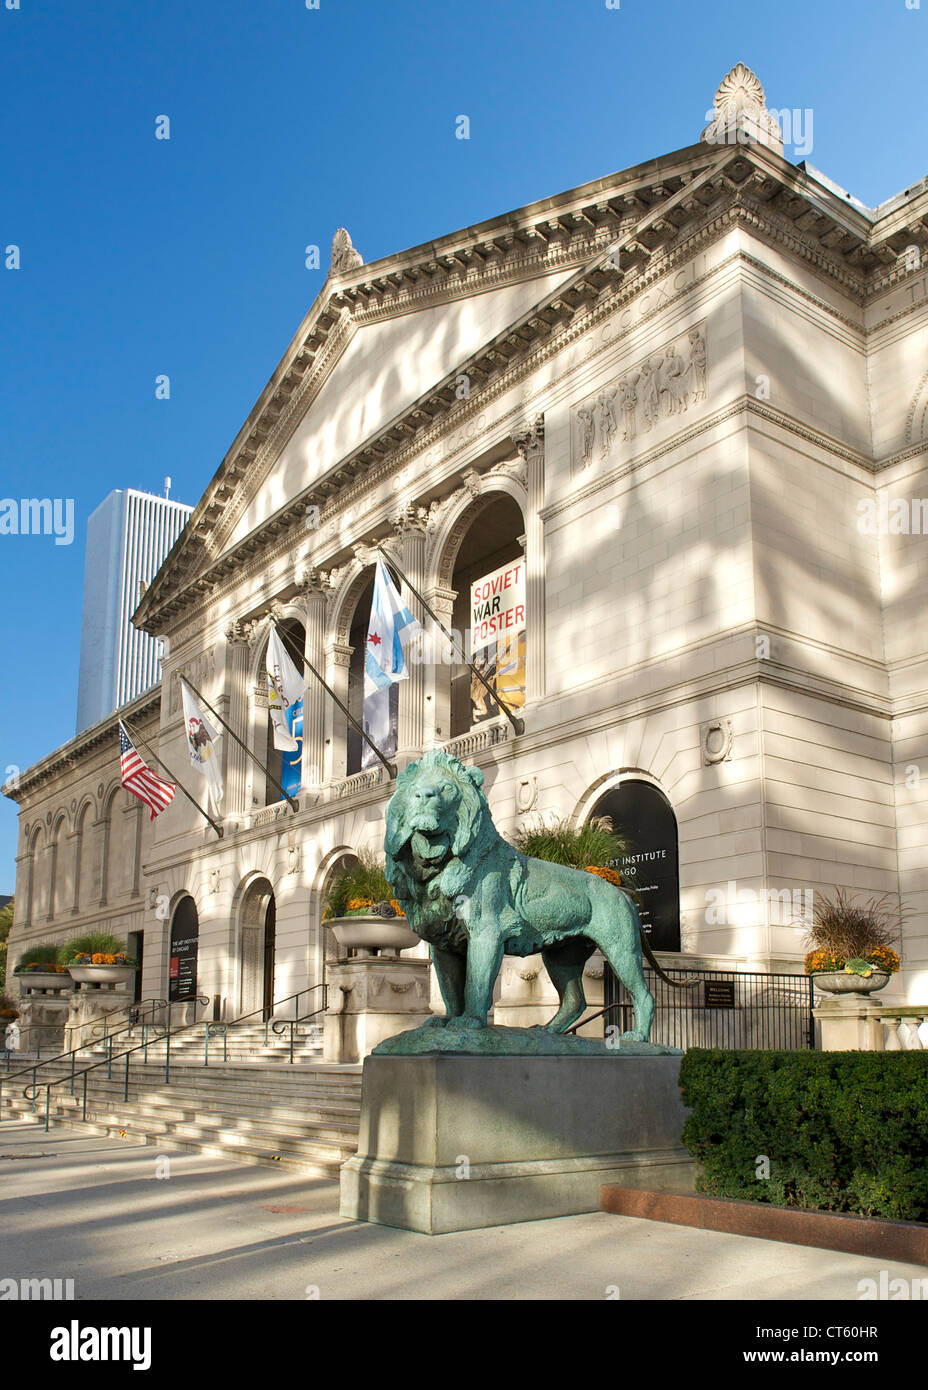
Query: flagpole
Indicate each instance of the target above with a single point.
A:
(295, 805)
(300, 656)
(517, 723)
(180, 786)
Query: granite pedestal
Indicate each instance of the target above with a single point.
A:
(454, 1143)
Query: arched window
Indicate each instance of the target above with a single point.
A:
(56, 869)
(642, 814)
(33, 894)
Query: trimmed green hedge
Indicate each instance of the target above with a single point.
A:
(843, 1131)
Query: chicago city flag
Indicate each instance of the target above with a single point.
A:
(391, 625)
(138, 778)
(202, 744)
(285, 688)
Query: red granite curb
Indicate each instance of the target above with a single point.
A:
(905, 1241)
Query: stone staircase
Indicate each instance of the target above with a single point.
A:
(255, 1108)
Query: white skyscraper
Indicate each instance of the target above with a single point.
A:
(128, 537)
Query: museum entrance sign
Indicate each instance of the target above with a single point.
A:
(185, 930)
(642, 814)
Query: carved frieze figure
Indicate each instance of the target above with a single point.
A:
(474, 898)
(607, 422)
(587, 432)
(650, 391)
(698, 364)
(344, 256)
(673, 382)
(628, 398)
(660, 388)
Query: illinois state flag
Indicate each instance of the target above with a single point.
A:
(202, 744)
(285, 688)
(391, 625)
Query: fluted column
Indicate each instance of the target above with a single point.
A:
(337, 661)
(314, 585)
(531, 446)
(410, 527)
(237, 706)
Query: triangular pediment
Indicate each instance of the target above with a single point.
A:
(383, 369)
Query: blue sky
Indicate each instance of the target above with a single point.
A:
(185, 257)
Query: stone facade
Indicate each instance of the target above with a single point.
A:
(685, 392)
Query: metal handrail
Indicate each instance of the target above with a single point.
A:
(93, 1041)
(224, 1025)
(151, 1004)
(293, 1023)
(107, 1061)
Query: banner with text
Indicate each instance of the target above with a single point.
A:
(497, 639)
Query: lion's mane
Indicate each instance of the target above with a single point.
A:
(430, 902)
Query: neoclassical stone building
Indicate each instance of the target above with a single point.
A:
(693, 395)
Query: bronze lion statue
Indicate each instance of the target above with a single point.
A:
(474, 898)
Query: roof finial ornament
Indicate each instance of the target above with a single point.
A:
(739, 114)
(344, 256)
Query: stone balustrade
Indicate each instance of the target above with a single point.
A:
(905, 1028)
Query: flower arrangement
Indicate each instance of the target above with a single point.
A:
(852, 937)
(603, 871)
(95, 948)
(361, 890)
(8, 1010)
(40, 959)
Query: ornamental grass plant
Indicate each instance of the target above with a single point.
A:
(40, 958)
(594, 846)
(851, 936)
(361, 889)
(95, 948)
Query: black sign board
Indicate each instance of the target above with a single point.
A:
(643, 815)
(182, 970)
(718, 994)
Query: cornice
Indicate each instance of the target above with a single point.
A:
(69, 755)
(644, 221)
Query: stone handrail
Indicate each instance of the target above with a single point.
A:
(906, 1028)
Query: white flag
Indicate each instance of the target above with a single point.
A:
(202, 744)
(285, 688)
(391, 626)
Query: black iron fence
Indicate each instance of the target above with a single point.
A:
(725, 1008)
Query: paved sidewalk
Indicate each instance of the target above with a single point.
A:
(91, 1209)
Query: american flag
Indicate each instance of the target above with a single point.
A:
(139, 779)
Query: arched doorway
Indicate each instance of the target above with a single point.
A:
(642, 814)
(257, 948)
(492, 543)
(184, 945)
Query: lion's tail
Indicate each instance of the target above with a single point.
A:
(674, 984)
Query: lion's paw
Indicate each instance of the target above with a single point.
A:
(633, 1037)
(471, 1021)
(436, 1021)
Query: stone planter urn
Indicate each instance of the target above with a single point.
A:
(373, 935)
(839, 982)
(34, 980)
(102, 976)
(375, 994)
